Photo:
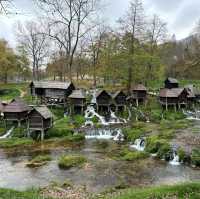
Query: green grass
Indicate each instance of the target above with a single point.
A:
(68, 161)
(13, 90)
(15, 142)
(39, 161)
(29, 194)
(183, 191)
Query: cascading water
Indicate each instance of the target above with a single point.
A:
(175, 159)
(8, 134)
(139, 144)
(192, 115)
(105, 134)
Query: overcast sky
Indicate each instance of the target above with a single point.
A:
(180, 15)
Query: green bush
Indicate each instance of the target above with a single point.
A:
(195, 157)
(164, 151)
(156, 115)
(166, 134)
(55, 132)
(153, 144)
(68, 161)
(79, 120)
(182, 155)
(133, 134)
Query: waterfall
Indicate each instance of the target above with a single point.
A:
(175, 159)
(192, 115)
(90, 113)
(105, 134)
(139, 144)
(8, 134)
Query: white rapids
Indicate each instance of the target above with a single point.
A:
(175, 161)
(90, 113)
(192, 115)
(8, 134)
(105, 134)
(139, 144)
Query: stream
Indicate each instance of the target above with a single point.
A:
(98, 174)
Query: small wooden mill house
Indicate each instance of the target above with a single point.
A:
(171, 83)
(40, 119)
(77, 101)
(52, 91)
(103, 100)
(17, 110)
(176, 97)
(138, 95)
(119, 100)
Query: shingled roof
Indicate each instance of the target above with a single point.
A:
(16, 106)
(78, 94)
(44, 112)
(116, 94)
(51, 84)
(174, 93)
(139, 87)
(101, 92)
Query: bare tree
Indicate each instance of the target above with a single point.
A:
(35, 44)
(96, 39)
(133, 23)
(4, 6)
(156, 34)
(67, 23)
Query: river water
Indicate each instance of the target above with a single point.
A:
(100, 173)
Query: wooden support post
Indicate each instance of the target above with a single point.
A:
(175, 107)
(137, 103)
(19, 123)
(42, 134)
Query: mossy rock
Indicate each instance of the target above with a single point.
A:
(68, 161)
(134, 155)
(39, 161)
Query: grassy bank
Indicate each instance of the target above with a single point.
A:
(11, 194)
(182, 191)
(188, 190)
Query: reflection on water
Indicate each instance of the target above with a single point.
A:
(99, 173)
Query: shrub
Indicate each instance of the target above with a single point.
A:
(55, 132)
(164, 151)
(166, 134)
(153, 144)
(133, 134)
(182, 155)
(68, 161)
(156, 115)
(195, 157)
(79, 120)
